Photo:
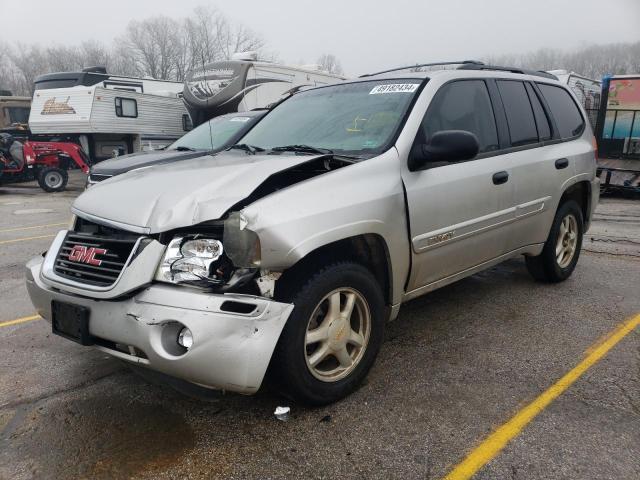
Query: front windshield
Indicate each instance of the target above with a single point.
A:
(356, 118)
(211, 135)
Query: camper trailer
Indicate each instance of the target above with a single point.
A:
(587, 90)
(105, 113)
(245, 83)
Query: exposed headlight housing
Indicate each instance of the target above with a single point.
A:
(191, 260)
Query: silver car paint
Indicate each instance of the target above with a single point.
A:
(460, 223)
(364, 198)
(161, 198)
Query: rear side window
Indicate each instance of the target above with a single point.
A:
(462, 105)
(542, 122)
(522, 125)
(564, 110)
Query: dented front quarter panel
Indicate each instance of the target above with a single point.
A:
(164, 197)
(363, 198)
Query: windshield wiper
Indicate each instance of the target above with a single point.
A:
(252, 149)
(302, 149)
(184, 149)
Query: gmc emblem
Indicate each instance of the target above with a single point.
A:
(83, 254)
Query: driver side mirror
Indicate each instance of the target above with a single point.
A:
(445, 146)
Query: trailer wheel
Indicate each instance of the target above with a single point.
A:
(53, 179)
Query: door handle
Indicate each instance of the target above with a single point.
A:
(500, 177)
(562, 163)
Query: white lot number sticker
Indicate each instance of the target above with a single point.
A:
(394, 88)
(240, 119)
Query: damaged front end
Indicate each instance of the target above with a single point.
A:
(220, 256)
(225, 255)
(190, 302)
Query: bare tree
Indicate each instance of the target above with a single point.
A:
(330, 63)
(29, 62)
(593, 61)
(153, 45)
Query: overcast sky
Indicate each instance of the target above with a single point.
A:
(364, 35)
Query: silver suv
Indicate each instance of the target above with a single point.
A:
(284, 256)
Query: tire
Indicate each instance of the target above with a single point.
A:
(561, 250)
(293, 370)
(53, 179)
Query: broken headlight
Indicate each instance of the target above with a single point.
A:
(203, 261)
(197, 260)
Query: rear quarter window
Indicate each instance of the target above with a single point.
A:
(564, 110)
(522, 126)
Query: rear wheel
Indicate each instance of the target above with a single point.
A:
(562, 248)
(53, 179)
(333, 335)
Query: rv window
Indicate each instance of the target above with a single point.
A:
(564, 110)
(126, 107)
(187, 124)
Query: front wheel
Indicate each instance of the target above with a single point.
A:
(333, 335)
(562, 248)
(53, 179)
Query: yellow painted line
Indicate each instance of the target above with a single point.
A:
(20, 320)
(495, 442)
(33, 227)
(4, 242)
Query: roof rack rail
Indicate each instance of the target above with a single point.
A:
(482, 66)
(420, 65)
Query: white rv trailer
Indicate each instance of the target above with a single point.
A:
(245, 83)
(104, 112)
(587, 90)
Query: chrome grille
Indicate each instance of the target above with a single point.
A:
(92, 259)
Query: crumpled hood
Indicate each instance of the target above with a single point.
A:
(124, 163)
(164, 197)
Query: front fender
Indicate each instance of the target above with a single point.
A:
(364, 198)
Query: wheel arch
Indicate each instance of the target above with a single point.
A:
(368, 249)
(580, 192)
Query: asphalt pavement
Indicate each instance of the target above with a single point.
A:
(455, 365)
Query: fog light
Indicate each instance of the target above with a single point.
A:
(185, 338)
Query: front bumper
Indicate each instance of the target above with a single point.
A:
(231, 351)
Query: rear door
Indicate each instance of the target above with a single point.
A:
(541, 161)
(459, 213)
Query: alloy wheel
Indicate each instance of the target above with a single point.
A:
(337, 334)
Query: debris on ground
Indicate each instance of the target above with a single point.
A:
(282, 413)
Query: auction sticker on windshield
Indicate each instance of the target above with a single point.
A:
(394, 88)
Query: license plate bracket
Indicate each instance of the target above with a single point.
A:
(71, 322)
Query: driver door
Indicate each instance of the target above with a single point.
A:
(460, 213)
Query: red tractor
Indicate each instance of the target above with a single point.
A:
(47, 162)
